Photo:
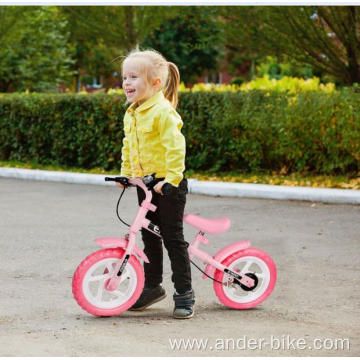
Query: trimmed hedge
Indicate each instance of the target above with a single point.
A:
(258, 130)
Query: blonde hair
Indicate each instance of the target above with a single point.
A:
(156, 66)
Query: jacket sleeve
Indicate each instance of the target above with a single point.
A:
(125, 162)
(173, 140)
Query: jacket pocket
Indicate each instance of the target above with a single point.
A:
(148, 127)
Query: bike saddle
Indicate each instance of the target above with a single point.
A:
(209, 226)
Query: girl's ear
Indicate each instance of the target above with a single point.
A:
(157, 81)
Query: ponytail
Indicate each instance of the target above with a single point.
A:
(172, 84)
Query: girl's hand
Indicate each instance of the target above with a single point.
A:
(158, 186)
(122, 182)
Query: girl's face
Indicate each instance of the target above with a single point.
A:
(135, 84)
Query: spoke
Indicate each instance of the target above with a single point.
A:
(246, 267)
(238, 291)
(260, 276)
(118, 293)
(110, 267)
(122, 279)
(99, 277)
(100, 291)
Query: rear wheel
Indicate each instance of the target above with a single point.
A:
(91, 288)
(256, 264)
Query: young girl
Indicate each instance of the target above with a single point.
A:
(153, 143)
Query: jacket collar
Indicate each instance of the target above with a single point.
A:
(156, 98)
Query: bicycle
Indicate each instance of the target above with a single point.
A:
(110, 280)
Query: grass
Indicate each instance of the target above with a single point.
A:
(295, 179)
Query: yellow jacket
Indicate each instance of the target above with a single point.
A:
(153, 141)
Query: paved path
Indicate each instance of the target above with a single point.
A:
(47, 229)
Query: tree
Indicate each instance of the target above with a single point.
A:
(84, 28)
(241, 37)
(34, 53)
(325, 37)
(11, 17)
(133, 23)
(190, 40)
(102, 33)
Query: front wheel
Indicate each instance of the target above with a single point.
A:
(91, 278)
(256, 264)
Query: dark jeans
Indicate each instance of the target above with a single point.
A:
(169, 217)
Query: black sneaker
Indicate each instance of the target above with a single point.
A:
(184, 305)
(149, 297)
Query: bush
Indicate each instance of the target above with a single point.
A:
(237, 81)
(288, 84)
(313, 131)
(71, 130)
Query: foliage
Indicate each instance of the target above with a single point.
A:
(12, 19)
(311, 131)
(35, 55)
(41, 46)
(190, 40)
(288, 67)
(287, 84)
(237, 81)
(73, 130)
(325, 37)
(241, 36)
(100, 34)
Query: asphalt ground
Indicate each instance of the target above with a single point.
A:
(47, 228)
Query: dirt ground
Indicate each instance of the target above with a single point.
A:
(48, 228)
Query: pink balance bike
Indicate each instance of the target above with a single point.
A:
(109, 281)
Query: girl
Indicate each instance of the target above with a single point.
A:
(153, 143)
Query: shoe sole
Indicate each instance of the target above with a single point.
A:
(186, 317)
(149, 304)
(182, 317)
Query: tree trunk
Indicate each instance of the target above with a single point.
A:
(130, 27)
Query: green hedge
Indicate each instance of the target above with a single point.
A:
(257, 130)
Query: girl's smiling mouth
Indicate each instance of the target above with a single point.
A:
(129, 91)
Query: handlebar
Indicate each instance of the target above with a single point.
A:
(119, 179)
(149, 181)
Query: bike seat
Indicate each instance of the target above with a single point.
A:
(209, 226)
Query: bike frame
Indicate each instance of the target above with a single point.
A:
(140, 221)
